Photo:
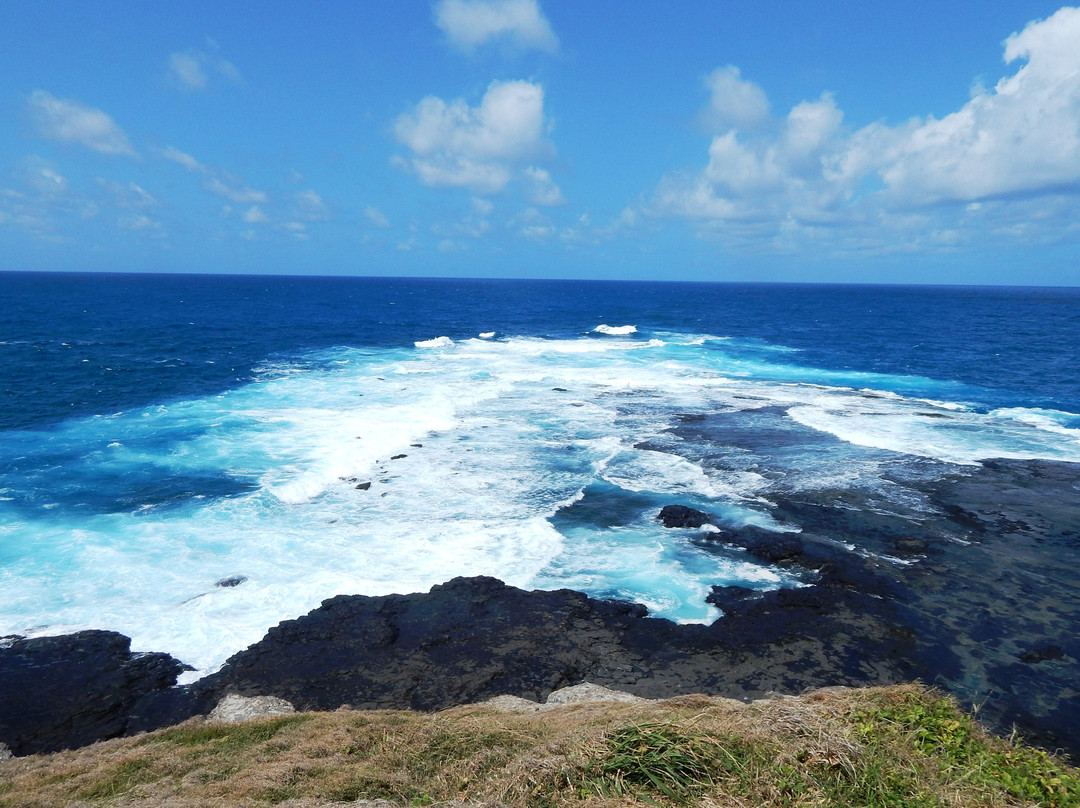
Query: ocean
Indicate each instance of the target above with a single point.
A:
(190, 459)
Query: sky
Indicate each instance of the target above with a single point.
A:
(714, 140)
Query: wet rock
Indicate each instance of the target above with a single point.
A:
(1043, 653)
(731, 598)
(462, 642)
(682, 516)
(363, 486)
(399, 456)
(69, 691)
(989, 615)
(911, 546)
(231, 581)
(769, 546)
(804, 597)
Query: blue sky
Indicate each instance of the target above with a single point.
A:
(704, 140)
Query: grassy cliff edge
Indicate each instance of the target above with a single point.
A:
(892, 747)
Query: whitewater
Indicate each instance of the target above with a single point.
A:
(194, 523)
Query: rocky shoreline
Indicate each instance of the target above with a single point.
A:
(978, 596)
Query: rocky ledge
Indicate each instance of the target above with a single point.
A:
(986, 609)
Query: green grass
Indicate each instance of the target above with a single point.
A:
(662, 760)
(955, 744)
(228, 738)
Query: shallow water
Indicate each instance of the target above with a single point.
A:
(165, 433)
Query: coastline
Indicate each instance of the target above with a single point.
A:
(963, 616)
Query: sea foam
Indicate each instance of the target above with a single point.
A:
(540, 461)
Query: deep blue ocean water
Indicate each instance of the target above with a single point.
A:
(161, 433)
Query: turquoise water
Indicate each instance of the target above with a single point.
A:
(162, 433)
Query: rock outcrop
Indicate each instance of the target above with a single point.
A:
(69, 691)
(983, 603)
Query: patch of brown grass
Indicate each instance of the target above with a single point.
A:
(889, 747)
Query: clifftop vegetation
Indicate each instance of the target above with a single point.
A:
(895, 747)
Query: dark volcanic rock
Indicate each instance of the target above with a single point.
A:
(911, 546)
(731, 598)
(64, 692)
(1041, 654)
(769, 546)
(682, 516)
(232, 580)
(474, 638)
(463, 641)
(985, 606)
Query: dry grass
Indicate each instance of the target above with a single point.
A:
(900, 747)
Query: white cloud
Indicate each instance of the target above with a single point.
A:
(191, 69)
(70, 121)
(470, 24)
(376, 217)
(481, 148)
(310, 206)
(141, 223)
(809, 173)
(1019, 138)
(240, 195)
(734, 102)
(255, 215)
(298, 229)
(188, 70)
(221, 183)
(544, 191)
(186, 160)
(43, 176)
(128, 194)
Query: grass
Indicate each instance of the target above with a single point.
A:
(898, 747)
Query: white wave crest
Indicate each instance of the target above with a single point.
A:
(437, 342)
(615, 330)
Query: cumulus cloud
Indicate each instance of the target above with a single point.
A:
(481, 148)
(191, 69)
(72, 122)
(1021, 137)
(1017, 141)
(470, 24)
(544, 191)
(734, 102)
